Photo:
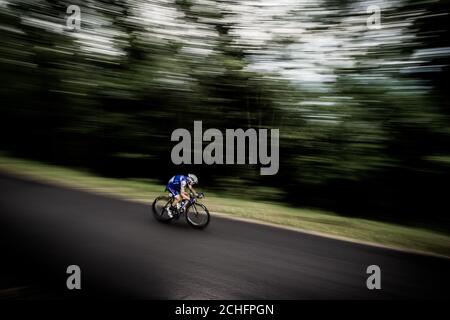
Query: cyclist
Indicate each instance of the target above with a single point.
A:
(177, 187)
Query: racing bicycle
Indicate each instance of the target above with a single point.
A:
(196, 213)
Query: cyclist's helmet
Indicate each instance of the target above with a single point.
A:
(192, 178)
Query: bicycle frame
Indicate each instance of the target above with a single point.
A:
(192, 203)
(192, 200)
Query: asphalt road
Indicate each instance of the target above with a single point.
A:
(123, 252)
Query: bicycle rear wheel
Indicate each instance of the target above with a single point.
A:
(197, 215)
(160, 206)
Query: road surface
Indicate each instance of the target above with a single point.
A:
(124, 253)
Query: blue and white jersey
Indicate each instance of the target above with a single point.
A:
(176, 183)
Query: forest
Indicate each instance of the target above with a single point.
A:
(362, 114)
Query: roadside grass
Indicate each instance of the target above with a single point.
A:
(145, 190)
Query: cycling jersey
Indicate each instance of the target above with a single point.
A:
(176, 183)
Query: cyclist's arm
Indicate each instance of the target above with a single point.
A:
(193, 190)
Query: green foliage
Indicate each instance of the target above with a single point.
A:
(363, 114)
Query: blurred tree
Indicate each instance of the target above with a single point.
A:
(363, 114)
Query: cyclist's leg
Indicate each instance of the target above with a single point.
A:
(185, 195)
(175, 193)
(175, 199)
(185, 198)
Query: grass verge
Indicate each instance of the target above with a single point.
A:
(328, 223)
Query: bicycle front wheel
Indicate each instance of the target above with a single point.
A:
(197, 215)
